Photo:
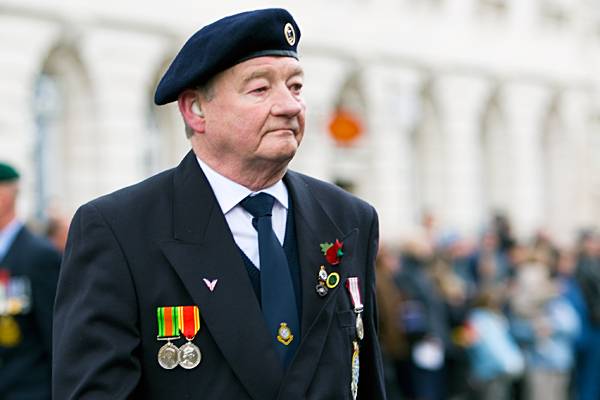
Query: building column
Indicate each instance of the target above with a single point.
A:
(122, 65)
(394, 103)
(573, 209)
(462, 100)
(526, 106)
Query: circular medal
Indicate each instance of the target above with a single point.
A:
(332, 280)
(321, 289)
(168, 356)
(189, 355)
(360, 327)
(323, 274)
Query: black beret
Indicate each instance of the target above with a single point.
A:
(226, 42)
(8, 173)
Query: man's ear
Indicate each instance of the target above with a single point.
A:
(190, 110)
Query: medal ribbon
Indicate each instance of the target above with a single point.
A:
(352, 284)
(190, 321)
(168, 321)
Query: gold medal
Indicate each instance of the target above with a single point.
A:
(10, 334)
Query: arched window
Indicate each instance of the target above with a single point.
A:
(62, 151)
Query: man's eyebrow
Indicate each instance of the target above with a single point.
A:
(259, 73)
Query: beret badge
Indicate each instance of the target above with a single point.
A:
(290, 34)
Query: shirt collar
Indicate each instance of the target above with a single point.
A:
(230, 193)
(7, 236)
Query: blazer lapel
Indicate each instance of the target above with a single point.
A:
(313, 227)
(203, 247)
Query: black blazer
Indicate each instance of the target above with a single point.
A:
(151, 245)
(25, 368)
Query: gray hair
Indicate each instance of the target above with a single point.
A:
(207, 92)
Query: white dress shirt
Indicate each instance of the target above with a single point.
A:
(229, 194)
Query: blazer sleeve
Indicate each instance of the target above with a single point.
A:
(96, 334)
(43, 281)
(371, 383)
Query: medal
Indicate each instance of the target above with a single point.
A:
(352, 284)
(284, 334)
(322, 274)
(360, 328)
(355, 369)
(10, 334)
(321, 287)
(189, 353)
(168, 329)
(168, 356)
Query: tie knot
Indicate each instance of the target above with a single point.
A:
(259, 206)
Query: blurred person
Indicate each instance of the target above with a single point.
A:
(587, 275)
(503, 229)
(425, 323)
(29, 268)
(229, 276)
(546, 325)
(495, 358)
(394, 342)
(490, 262)
(57, 229)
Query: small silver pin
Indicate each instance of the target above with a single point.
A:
(210, 284)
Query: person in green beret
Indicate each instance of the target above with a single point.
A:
(29, 268)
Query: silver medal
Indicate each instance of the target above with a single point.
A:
(322, 274)
(321, 289)
(168, 356)
(360, 328)
(189, 356)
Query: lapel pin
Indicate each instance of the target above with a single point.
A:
(210, 284)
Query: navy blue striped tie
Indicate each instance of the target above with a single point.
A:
(276, 286)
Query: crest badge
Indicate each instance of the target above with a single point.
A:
(289, 33)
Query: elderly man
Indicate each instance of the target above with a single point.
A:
(28, 275)
(228, 277)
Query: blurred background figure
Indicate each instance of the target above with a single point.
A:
(29, 268)
(587, 275)
(546, 325)
(57, 229)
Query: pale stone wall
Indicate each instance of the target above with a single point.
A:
(469, 105)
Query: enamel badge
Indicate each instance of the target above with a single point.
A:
(284, 334)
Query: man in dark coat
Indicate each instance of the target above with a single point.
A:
(228, 277)
(28, 277)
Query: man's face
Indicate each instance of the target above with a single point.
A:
(256, 116)
(8, 194)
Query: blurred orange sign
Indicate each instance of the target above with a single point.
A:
(345, 127)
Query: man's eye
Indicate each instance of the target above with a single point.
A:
(296, 87)
(259, 90)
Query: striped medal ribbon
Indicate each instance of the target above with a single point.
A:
(168, 329)
(189, 354)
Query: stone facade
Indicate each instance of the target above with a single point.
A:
(469, 106)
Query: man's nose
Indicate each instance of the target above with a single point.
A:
(286, 103)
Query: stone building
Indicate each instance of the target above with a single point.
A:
(467, 106)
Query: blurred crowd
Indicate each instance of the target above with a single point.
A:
(498, 319)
